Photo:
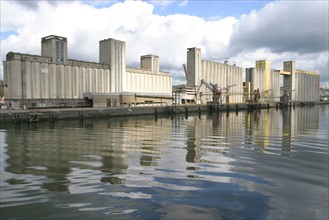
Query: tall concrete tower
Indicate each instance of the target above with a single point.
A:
(54, 47)
(113, 52)
(289, 80)
(265, 66)
(150, 62)
(193, 67)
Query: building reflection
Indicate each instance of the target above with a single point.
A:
(211, 133)
(193, 146)
(31, 152)
(287, 135)
(259, 126)
(263, 128)
(268, 131)
(53, 149)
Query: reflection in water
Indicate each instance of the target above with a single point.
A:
(219, 165)
(193, 154)
(286, 132)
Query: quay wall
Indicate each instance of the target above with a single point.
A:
(56, 114)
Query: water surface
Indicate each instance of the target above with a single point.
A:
(268, 164)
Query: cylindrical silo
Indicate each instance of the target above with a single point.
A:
(75, 83)
(68, 82)
(60, 81)
(44, 81)
(83, 83)
(27, 81)
(107, 81)
(52, 81)
(95, 80)
(89, 80)
(36, 92)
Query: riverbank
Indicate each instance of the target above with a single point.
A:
(55, 114)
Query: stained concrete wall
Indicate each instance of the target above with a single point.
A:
(303, 85)
(257, 77)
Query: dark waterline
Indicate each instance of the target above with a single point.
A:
(266, 164)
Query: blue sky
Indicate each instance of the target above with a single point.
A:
(208, 9)
(274, 30)
(211, 9)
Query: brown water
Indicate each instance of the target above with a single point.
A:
(268, 164)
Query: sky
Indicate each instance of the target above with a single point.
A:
(239, 31)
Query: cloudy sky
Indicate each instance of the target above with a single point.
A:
(242, 31)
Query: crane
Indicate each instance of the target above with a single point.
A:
(185, 70)
(216, 93)
(286, 97)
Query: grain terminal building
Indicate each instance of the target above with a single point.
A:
(228, 78)
(298, 85)
(53, 80)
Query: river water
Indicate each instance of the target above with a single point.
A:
(266, 164)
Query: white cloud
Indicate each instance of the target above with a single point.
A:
(162, 3)
(130, 21)
(100, 3)
(284, 26)
(285, 30)
(167, 36)
(183, 3)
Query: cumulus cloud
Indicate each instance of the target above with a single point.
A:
(33, 4)
(162, 3)
(284, 26)
(183, 3)
(287, 30)
(131, 21)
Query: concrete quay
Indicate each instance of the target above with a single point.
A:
(57, 114)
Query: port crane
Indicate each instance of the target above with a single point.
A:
(286, 97)
(217, 92)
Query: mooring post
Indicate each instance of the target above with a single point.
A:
(51, 116)
(155, 114)
(17, 118)
(81, 115)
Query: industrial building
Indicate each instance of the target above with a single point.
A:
(53, 80)
(206, 79)
(298, 85)
(301, 85)
(209, 81)
(262, 80)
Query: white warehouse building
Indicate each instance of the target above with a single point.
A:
(53, 80)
